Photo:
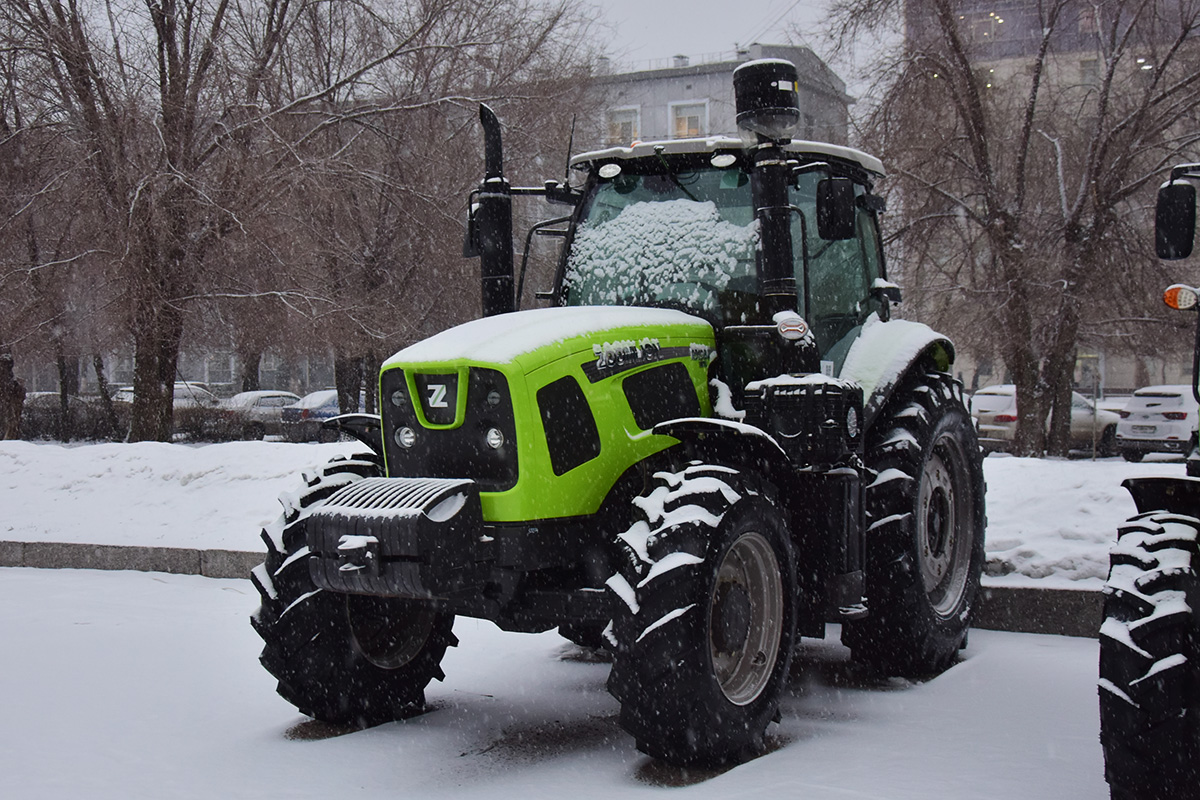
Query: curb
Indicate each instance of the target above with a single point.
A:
(1065, 612)
(173, 560)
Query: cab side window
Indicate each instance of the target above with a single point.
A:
(836, 293)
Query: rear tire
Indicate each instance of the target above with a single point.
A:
(925, 525)
(343, 659)
(706, 619)
(1107, 447)
(1150, 659)
(1132, 456)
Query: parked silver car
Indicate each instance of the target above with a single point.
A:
(253, 415)
(1158, 419)
(995, 411)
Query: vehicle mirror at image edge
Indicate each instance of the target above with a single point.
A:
(1175, 220)
(835, 209)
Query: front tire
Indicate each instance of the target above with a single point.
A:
(1150, 660)
(925, 523)
(343, 659)
(706, 618)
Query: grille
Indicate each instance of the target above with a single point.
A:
(393, 494)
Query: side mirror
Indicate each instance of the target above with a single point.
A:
(835, 209)
(1175, 220)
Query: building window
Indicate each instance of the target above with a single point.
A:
(1089, 71)
(624, 126)
(689, 119)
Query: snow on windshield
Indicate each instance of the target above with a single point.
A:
(679, 251)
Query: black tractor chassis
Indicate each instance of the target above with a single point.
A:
(425, 538)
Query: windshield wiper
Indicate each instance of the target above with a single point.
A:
(658, 151)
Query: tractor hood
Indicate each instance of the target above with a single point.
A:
(534, 338)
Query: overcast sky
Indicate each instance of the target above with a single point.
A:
(659, 29)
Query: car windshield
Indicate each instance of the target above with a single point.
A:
(317, 399)
(686, 240)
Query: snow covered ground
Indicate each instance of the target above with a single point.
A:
(1050, 522)
(130, 685)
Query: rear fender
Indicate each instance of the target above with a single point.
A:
(885, 352)
(1175, 495)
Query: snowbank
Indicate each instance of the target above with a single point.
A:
(1050, 522)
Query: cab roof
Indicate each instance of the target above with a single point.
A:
(713, 144)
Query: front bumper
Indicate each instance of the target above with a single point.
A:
(400, 537)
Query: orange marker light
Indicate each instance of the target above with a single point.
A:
(1180, 297)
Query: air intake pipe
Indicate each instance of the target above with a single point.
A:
(765, 92)
(493, 222)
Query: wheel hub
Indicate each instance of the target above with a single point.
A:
(732, 614)
(746, 618)
(388, 632)
(944, 511)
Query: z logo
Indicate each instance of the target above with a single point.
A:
(437, 395)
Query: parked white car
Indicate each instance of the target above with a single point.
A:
(1158, 419)
(995, 411)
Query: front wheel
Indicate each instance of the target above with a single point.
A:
(344, 659)
(924, 539)
(706, 616)
(1150, 659)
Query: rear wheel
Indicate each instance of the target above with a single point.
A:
(706, 617)
(924, 540)
(1132, 456)
(1150, 659)
(1107, 447)
(344, 659)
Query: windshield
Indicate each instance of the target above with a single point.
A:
(687, 240)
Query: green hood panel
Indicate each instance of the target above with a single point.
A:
(614, 358)
(537, 337)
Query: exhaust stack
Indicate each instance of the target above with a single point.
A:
(493, 222)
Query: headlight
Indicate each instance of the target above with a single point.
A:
(494, 438)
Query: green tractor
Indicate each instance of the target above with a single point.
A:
(1150, 636)
(712, 441)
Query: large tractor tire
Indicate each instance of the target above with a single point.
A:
(1150, 660)
(344, 659)
(925, 523)
(705, 618)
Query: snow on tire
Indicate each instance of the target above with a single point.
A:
(925, 523)
(343, 659)
(705, 617)
(1150, 659)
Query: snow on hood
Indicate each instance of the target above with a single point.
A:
(883, 351)
(501, 338)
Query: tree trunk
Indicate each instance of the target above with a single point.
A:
(248, 363)
(106, 404)
(68, 384)
(156, 339)
(371, 377)
(348, 376)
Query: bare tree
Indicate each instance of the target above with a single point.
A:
(1023, 166)
(194, 122)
